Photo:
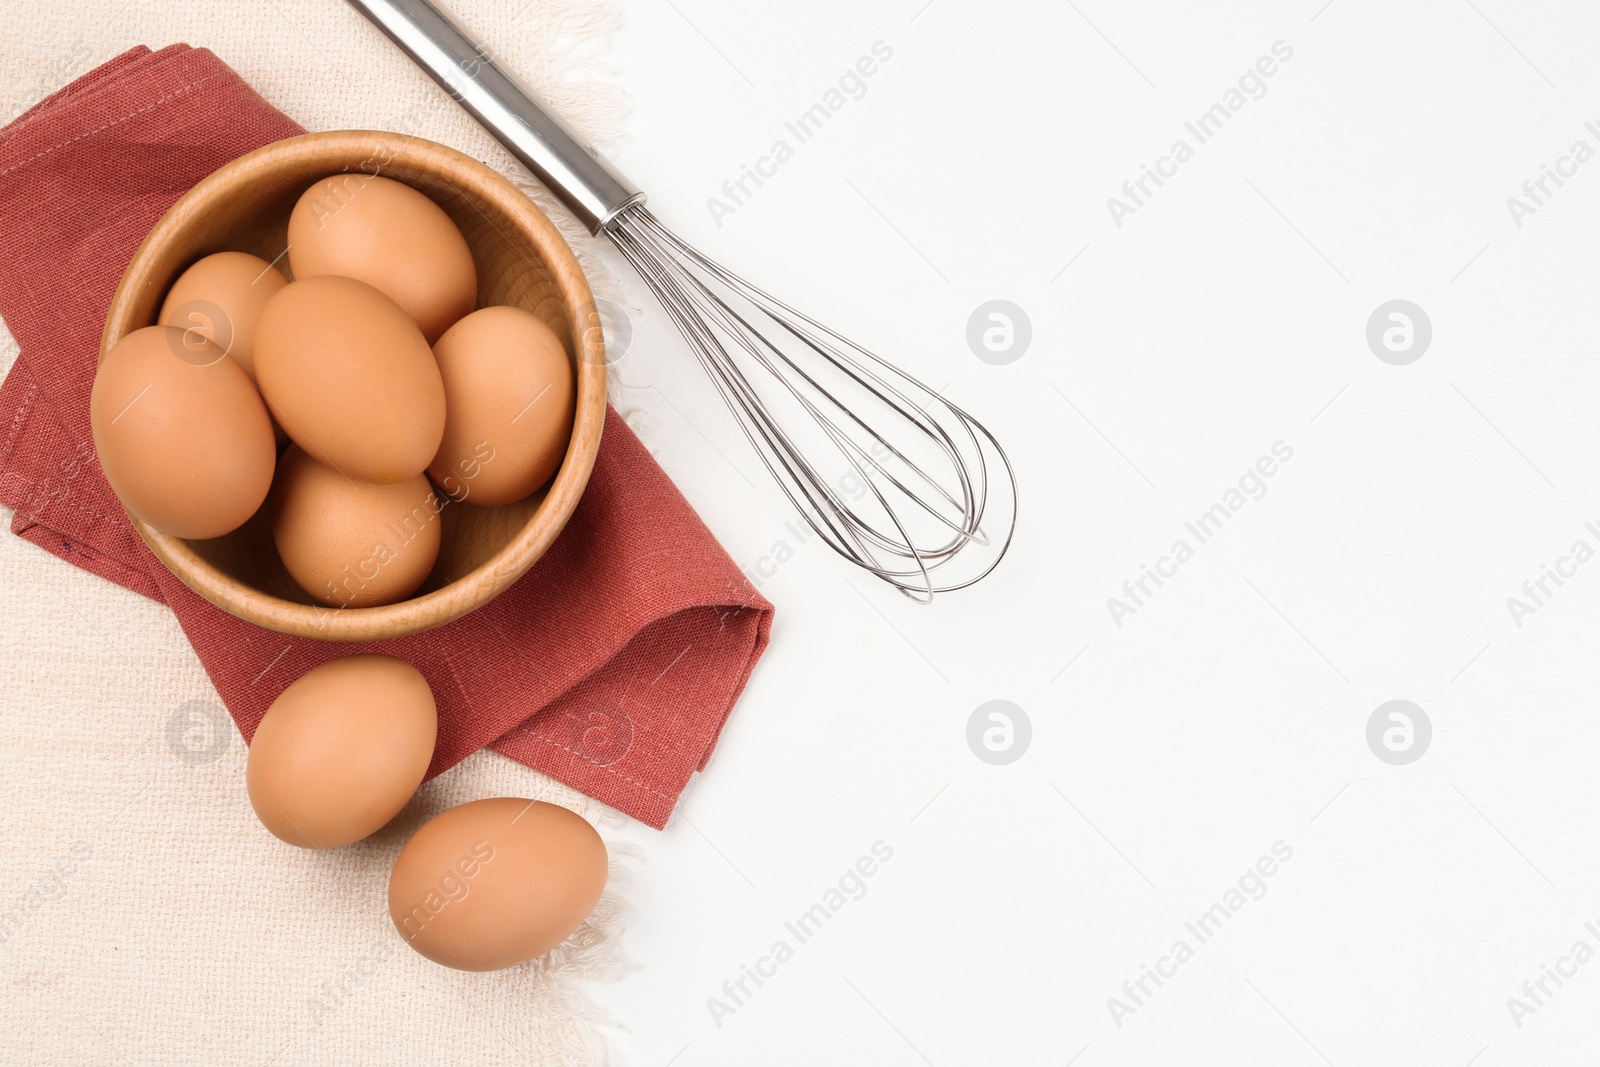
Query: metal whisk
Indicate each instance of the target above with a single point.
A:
(885, 470)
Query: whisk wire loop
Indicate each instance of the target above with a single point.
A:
(713, 309)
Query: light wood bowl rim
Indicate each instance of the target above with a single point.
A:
(329, 152)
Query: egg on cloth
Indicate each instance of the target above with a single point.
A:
(392, 237)
(342, 750)
(353, 544)
(181, 434)
(494, 883)
(509, 392)
(350, 378)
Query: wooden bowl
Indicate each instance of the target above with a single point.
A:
(521, 260)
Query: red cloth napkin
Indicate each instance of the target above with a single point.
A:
(612, 665)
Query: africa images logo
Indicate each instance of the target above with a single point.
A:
(849, 886)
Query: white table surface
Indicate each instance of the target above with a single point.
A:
(1227, 315)
(1229, 714)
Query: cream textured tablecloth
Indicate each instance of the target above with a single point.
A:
(145, 915)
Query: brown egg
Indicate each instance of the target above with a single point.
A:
(495, 883)
(350, 378)
(342, 750)
(508, 389)
(220, 299)
(353, 544)
(390, 236)
(182, 436)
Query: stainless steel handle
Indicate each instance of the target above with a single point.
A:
(505, 107)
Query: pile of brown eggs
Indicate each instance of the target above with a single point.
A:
(391, 392)
(356, 401)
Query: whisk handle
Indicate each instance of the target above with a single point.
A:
(505, 107)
